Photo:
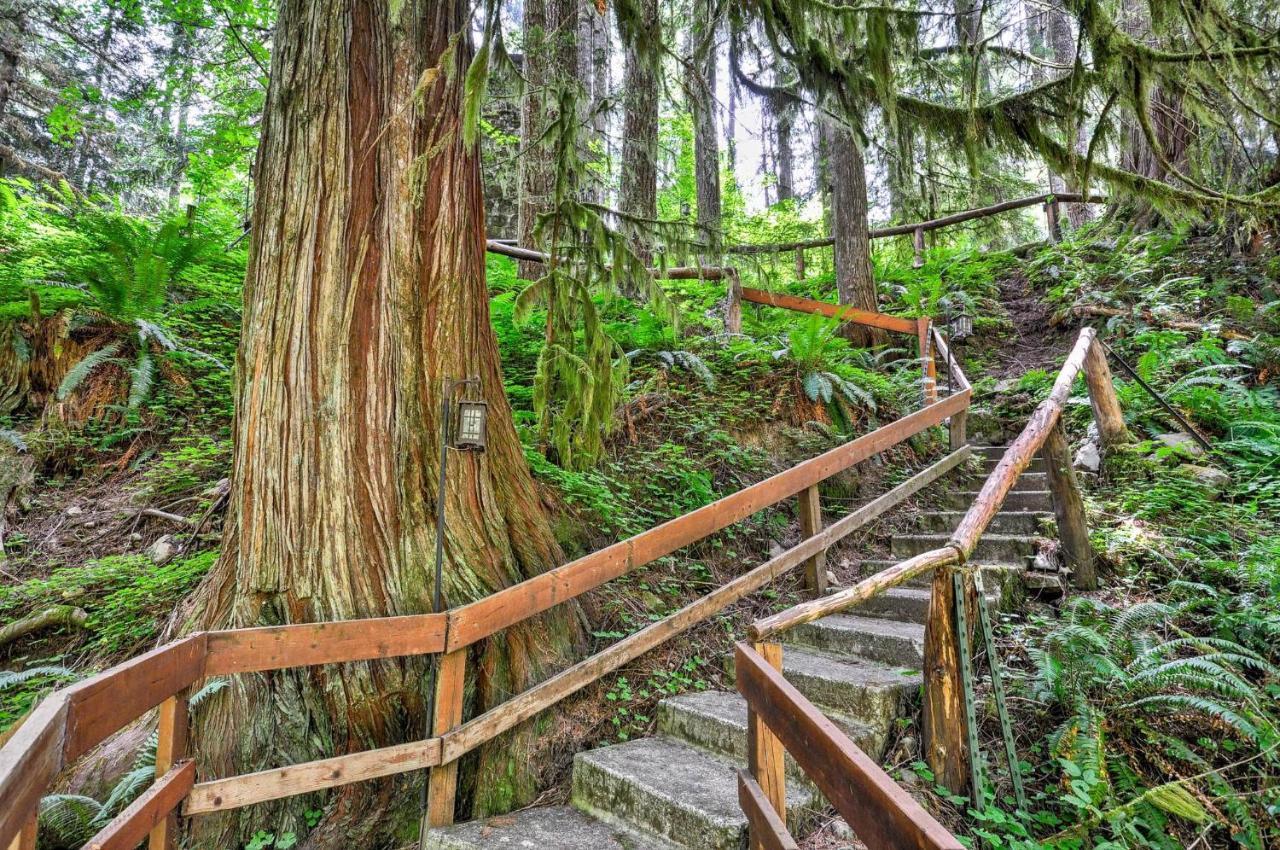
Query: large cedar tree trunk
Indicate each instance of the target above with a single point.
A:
(365, 292)
(854, 281)
(639, 195)
(550, 65)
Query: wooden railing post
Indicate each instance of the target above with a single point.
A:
(957, 428)
(917, 241)
(1068, 508)
(946, 747)
(1102, 397)
(928, 368)
(443, 788)
(815, 568)
(764, 751)
(171, 747)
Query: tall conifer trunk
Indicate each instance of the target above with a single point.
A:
(639, 188)
(854, 281)
(365, 292)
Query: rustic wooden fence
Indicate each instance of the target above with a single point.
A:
(781, 718)
(73, 720)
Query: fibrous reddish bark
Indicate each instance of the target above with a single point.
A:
(854, 281)
(365, 293)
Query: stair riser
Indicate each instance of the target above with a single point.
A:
(871, 704)
(613, 798)
(718, 735)
(904, 609)
(997, 550)
(894, 650)
(1018, 500)
(1021, 522)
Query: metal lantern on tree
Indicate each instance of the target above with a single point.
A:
(471, 423)
(959, 322)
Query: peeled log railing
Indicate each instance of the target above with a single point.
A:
(945, 740)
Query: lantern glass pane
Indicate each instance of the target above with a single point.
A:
(471, 424)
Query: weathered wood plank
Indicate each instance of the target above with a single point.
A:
(480, 619)
(26, 839)
(222, 795)
(833, 311)
(1068, 509)
(953, 366)
(815, 567)
(1021, 451)
(305, 644)
(765, 755)
(29, 762)
(768, 831)
(171, 747)
(104, 704)
(442, 792)
(152, 807)
(880, 813)
(494, 722)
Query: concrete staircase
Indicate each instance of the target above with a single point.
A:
(678, 788)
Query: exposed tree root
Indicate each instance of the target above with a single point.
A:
(58, 615)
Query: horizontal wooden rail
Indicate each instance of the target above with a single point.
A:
(768, 829)
(834, 311)
(478, 620)
(127, 829)
(305, 644)
(881, 814)
(222, 795)
(489, 725)
(912, 227)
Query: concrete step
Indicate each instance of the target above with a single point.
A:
(997, 548)
(905, 604)
(670, 789)
(545, 827)
(1017, 500)
(870, 692)
(898, 644)
(717, 721)
(1005, 522)
(1031, 481)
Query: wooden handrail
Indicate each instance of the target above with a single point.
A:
(880, 812)
(834, 311)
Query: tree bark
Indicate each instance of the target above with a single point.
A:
(783, 114)
(593, 74)
(550, 63)
(700, 86)
(854, 281)
(365, 292)
(639, 197)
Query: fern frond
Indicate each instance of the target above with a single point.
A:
(140, 378)
(13, 438)
(13, 678)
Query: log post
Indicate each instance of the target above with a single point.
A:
(799, 264)
(1103, 399)
(928, 369)
(946, 747)
(171, 747)
(1068, 508)
(1054, 221)
(957, 427)
(443, 788)
(917, 241)
(733, 306)
(764, 751)
(815, 568)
